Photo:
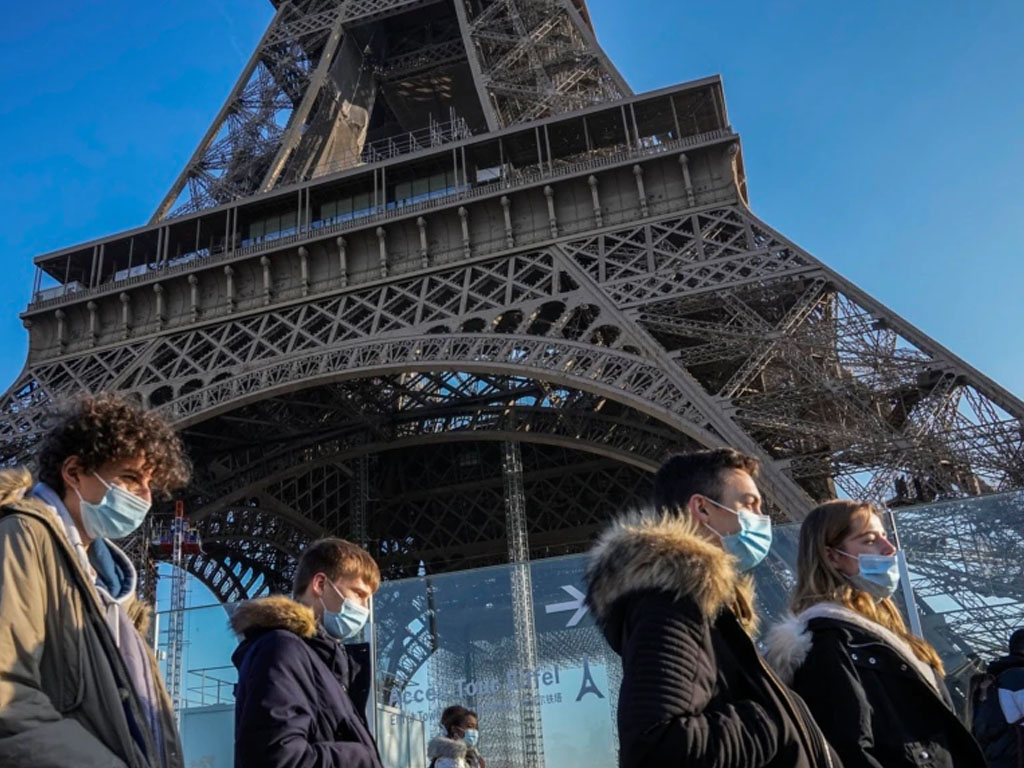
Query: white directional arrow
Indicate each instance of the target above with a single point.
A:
(576, 604)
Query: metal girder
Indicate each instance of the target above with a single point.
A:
(444, 508)
(811, 369)
(250, 550)
(234, 155)
(423, 59)
(364, 11)
(296, 123)
(439, 508)
(824, 372)
(532, 58)
(259, 450)
(528, 58)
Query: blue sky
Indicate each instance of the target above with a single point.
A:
(883, 137)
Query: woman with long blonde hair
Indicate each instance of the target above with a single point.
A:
(876, 690)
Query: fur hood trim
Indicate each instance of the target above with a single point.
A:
(278, 612)
(140, 613)
(789, 642)
(667, 552)
(15, 485)
(787, 645)
(442, 746)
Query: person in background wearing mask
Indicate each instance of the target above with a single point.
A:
(876, 689)
(79, 685)
(301, 696)
(458, 747)
(670, 590)
(997, 701)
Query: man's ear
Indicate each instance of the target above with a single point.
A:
(695, 506)
(71, 472)
(319, 584)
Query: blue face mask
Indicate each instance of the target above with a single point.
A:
(472, 737)
(117, 515)
(346, 623)
(751, 544)
(879, 574)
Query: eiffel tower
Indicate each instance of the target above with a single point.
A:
(427, 240)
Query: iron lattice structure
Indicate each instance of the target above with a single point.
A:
(333, 83)
(421, 230)
(967, 559)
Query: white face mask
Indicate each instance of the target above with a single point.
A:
(347, 622)
(118, 514)
(750, 545)
(878, 575)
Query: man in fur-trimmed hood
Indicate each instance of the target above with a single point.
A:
(302, 691)
(667, 590)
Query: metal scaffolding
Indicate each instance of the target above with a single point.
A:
(360, 501)
(522, 602)
(176, 618)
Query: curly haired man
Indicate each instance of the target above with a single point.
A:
(78, 683)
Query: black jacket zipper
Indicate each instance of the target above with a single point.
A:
(814, 741)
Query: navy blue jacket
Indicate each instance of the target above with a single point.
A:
(301, 695)
(998, 709)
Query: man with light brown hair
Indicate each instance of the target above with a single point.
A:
(302, 691)
(78, 683)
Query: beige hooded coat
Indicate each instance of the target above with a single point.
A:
(64, 686)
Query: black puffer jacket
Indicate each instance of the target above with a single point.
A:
(998, 710)
(878, 704)
(301, 694)
(694, 690)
